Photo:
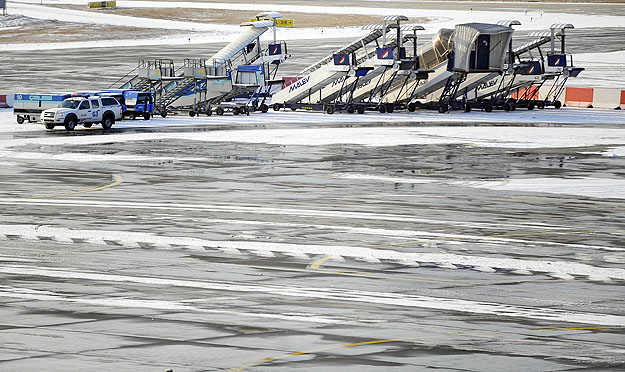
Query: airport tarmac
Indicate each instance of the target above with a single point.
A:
(296, 242)
(147, 250)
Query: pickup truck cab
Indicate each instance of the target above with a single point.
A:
(83, 110)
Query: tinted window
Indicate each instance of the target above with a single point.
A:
(84, 105)
(95, 103)
(109, 102)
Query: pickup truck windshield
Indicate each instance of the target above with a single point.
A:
(70, 103)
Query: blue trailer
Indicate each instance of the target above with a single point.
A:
(28, 106)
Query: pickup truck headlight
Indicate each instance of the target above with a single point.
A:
(59, 114)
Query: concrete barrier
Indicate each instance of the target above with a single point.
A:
(579, 97)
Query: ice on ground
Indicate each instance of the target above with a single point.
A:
(589, 187)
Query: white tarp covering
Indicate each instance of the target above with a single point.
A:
(434, 53)
(467, 34)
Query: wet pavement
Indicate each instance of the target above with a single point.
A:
(213, 256)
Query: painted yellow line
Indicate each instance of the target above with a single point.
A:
(118, 180)
(284, 356)
(317, 264)
(577, 328)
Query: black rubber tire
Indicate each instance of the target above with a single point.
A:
(540, 105)
(87, 125)
(467, 108)
(412, 107)
(443, 108)
(382, 109)
(219, 111)
(512, 106)
(276, 107)
(147, 116)
(329, 110)
(293, 108)
(488, 107)
(557, 104)
(70, 124)
(164, 114)
(350, 109)
(360, 109)
(108, 121)
(264, 108)
(20, 119)
(507, 107)
(530, 106)
(390, 108)
(49, 126)
(236, 111)
(132, 116)
(192, 113)
(209, 111)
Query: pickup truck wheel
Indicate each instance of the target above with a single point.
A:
(87, 125)
(49, 126)
(108, 121)
(70, 124)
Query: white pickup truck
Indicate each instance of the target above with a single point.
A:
(85, 111)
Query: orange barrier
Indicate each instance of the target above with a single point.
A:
(578, 97)
(531, 92)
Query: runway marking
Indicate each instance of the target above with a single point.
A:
(284, 356)
(338, 295)
(575, 328)
(558, 269)
(118, 180)
(317, 264)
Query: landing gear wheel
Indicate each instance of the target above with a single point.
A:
(108, 122)
(191, 113)
(70, 124)
(20, 119)
(236, 111)
(208, 111)
(488, 107)
(390, 108)
(330, 110)
(219, 111)
(146, 116)
(382, 109)
(540, 105)
(557, 104)
(264, 108)
(276, 107)
(361, 110)
(87, 125)
(507, 107)
(49, 126)
(530, 106)
(350, 109)
(164, 113)
(412, 107)
(293, 108)
(467, 108)
(443, 108)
